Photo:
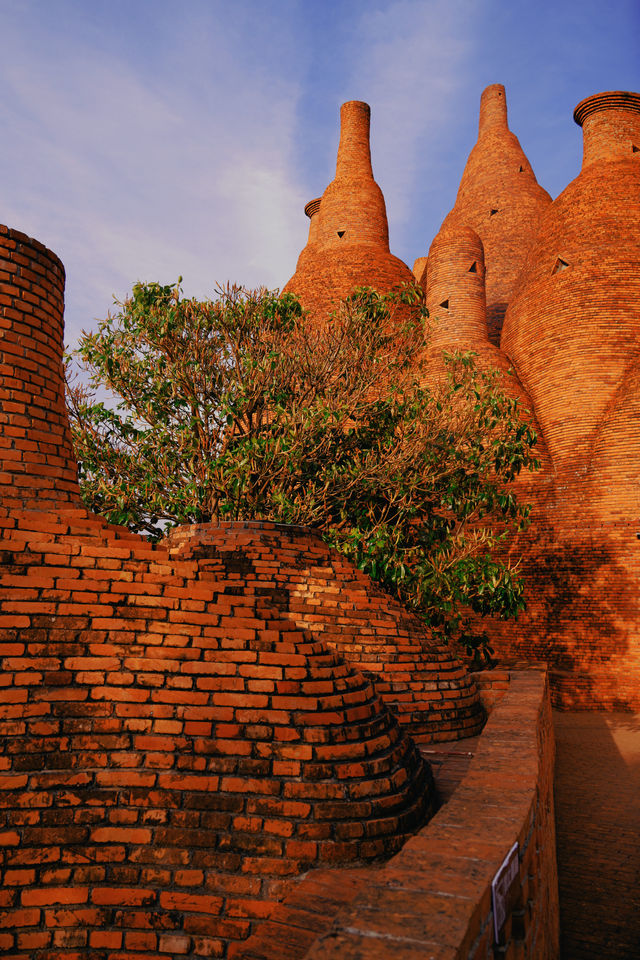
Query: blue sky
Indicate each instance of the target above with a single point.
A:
(147, 138)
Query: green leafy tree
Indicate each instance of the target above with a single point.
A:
(240, 407)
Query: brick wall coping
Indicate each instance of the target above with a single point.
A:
(613, 99)
(188, 530)
(20, 237)
(434, 897)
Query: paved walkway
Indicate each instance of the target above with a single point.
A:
(449, 763)
(597, 796)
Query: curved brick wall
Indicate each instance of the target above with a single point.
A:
(614, 463)
(419, 267)
(349, 236)
(500, 198)
(433, 899)
(172, 746)
(421, 680)
(610, 126)
(456, 292)
(583, 610)
(37, 467)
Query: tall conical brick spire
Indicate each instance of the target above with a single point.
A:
(349, 236)
(500, 198)
(573, 329)
(353, 208)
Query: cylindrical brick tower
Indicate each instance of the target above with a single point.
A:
(455, 290)
(456, 301)
(500, 198)
(37, 466)
(349, 237)
(573, 328)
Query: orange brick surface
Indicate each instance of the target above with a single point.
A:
(348, 243)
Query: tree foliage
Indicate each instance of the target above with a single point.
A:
(240, 407)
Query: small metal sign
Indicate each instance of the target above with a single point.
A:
(501, 886)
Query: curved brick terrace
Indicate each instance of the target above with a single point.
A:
(597, 785)
(433, 899)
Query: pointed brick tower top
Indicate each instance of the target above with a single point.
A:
(500, 198)
(493, 109)
(348, 242)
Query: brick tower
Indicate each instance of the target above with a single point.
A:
(348, 242)
(500, 198)
(456, 301)
(572, 331)
(37, 466)
(573, 328)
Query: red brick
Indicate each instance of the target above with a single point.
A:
(122, 896)
(40, 897)
(198, 903)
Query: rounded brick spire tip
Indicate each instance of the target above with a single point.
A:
(354, 151)
(493, 107)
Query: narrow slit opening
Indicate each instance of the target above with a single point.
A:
(474, 267)
(635, 149)
(560, 265)
(493, 212)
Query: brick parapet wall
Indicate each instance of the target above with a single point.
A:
(492, 686)
(433, 899)
(421, 679)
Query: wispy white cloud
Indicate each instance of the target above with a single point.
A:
(413, 68)
(140, 140)
(131, 174)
